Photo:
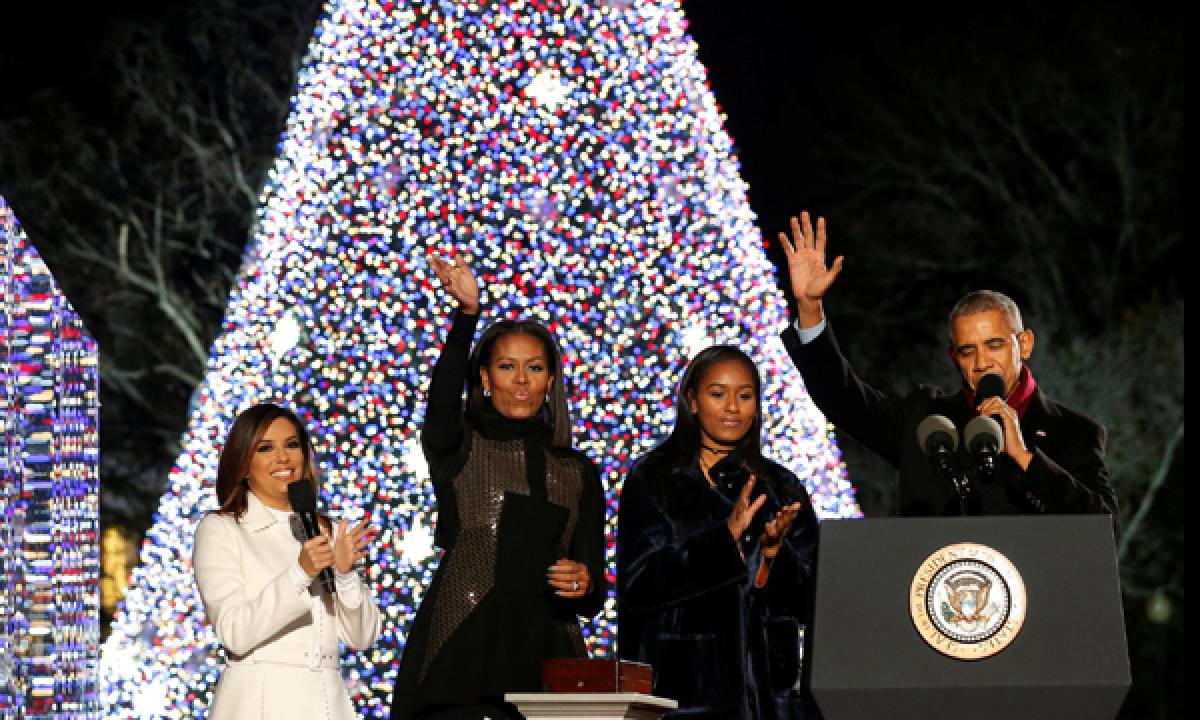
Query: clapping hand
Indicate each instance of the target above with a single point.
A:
(351, 545)
(744, 510)
(777, 530)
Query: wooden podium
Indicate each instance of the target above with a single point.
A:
(591, 706)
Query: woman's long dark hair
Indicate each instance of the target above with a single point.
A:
(244, 436)
(682, 447)
(556, 414)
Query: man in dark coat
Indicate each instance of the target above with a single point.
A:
(1053, 457)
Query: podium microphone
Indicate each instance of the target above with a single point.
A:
(304, 504)
(938, 439)
(985, 440)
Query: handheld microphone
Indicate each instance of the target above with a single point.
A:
(990, 385)
(938, 439)
(985, 440)
(304, 504)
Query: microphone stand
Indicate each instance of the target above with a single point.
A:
(938, 439)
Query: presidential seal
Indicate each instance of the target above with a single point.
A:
(967, 601)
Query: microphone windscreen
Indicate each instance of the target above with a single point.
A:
(302, 495)
(983, 430)
(990, 385)
(937, 430)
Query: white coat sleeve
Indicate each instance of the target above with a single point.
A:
(242, 621)
(358, 615)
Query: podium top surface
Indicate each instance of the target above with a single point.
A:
(661, 703)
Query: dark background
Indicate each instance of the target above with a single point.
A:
(1030, 149)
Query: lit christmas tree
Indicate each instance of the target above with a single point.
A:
(575, 151)
(49, 492)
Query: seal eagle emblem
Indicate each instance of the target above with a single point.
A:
(967, 601)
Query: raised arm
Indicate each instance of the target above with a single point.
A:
(870, 416)
(444, 424)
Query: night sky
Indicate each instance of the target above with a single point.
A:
(775, 69)
(766, 61)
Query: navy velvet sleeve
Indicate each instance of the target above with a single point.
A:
(789, 586)
(655, 569)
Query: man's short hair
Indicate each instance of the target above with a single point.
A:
(979, 301)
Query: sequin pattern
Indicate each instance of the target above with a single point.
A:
(493, 468)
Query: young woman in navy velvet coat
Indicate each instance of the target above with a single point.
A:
(715, 553)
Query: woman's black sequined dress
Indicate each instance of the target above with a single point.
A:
(509, 506)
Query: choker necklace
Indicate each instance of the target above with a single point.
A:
(715, 451)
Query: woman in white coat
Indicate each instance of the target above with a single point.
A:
(257, 578)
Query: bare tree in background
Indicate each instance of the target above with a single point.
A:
(142, 208)
(1131, 378)
(1042, 158)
